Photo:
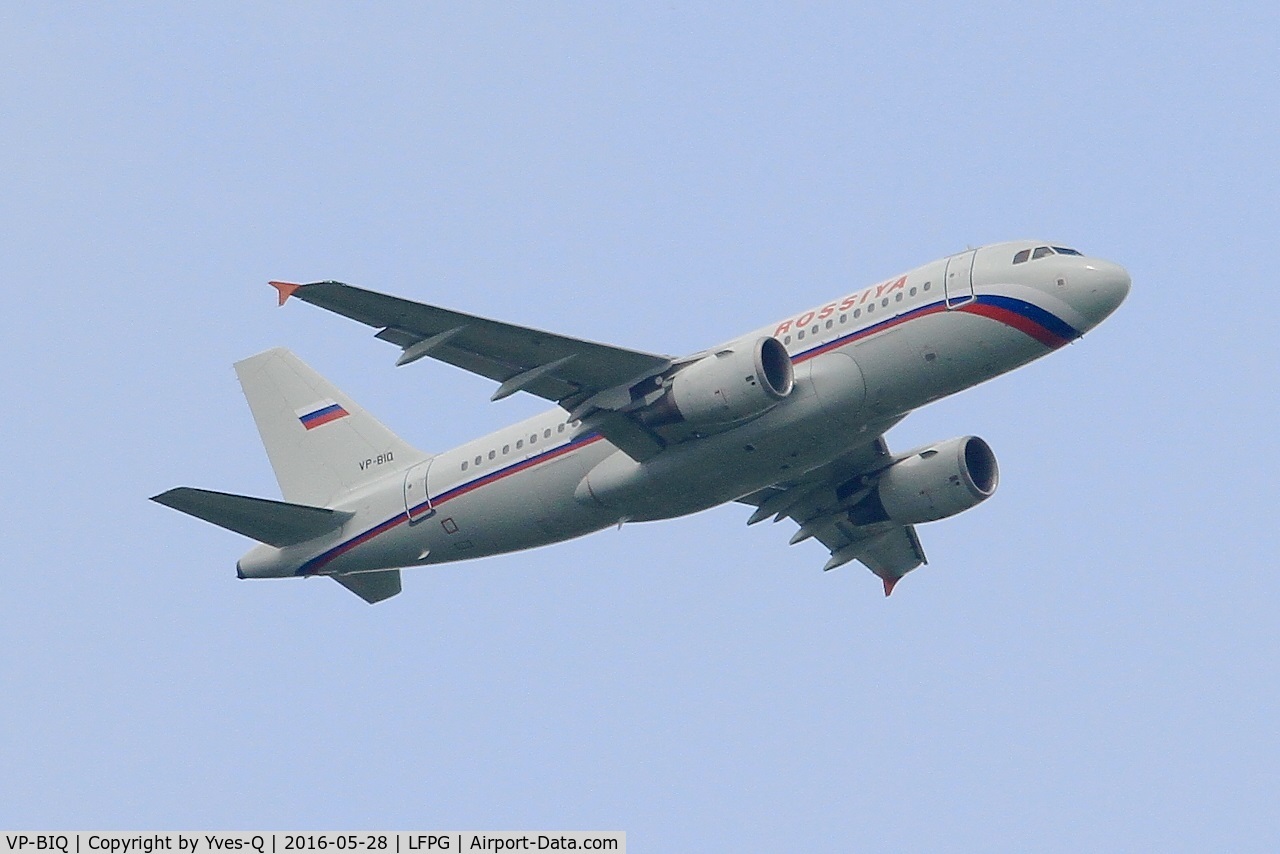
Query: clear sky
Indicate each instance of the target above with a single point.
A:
(1088, 662)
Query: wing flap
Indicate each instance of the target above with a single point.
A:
(276, 523)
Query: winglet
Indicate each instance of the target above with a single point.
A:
(285, 289)
(889, 584)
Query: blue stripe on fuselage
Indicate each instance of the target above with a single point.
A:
(1031, 312)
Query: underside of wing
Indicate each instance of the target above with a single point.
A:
(822, 503)
(584, 377)
(890, 553)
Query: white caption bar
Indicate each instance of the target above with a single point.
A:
(278, 842)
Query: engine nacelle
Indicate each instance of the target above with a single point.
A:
(932, 483)
(733, 385)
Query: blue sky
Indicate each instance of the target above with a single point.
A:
(1089, 660)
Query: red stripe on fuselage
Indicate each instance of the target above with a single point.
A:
(313, 566)
(1017, 321)
(882, 326)
(997, 313)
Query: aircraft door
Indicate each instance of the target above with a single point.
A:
(958, 279)
(417, 499)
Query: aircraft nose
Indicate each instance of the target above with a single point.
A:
(1101, 289)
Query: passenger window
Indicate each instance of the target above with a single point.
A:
(533, 438)
(559, 428)
(479, 459)
(1040, 252)
(913, 291)
(927, 285)
(814, 330)
(800, 335)
(830, 323)
(464, 465)
(857, 312)
(493, 454)
(844, 318)
(786, 340)
(546, 434)
(884, 302)
(898, 296)
(519, 444)
(1022, 256)
(871, 308)
(506, 449)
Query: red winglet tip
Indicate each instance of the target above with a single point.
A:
(889, 584)
(285, 289)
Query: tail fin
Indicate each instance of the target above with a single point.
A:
(320, 443)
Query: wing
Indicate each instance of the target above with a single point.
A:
(820, 501)
(589, 380)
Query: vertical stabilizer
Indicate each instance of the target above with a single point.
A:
(320, 443)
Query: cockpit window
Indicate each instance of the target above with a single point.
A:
(1042, 252)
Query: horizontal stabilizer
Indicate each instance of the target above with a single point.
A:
(372, 586)
(275, 523)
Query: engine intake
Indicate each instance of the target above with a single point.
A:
(731, 385)
(932, 483)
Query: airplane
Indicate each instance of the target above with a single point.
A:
(788, 419)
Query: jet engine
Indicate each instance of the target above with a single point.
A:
(729, 386)
(932, 483)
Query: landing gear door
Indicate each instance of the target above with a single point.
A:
(417, 500)
(959, 278)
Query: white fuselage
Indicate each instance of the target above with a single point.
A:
(861, 363)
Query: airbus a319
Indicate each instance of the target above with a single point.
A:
(788, 419)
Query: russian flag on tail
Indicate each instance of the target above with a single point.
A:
(320, 413)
